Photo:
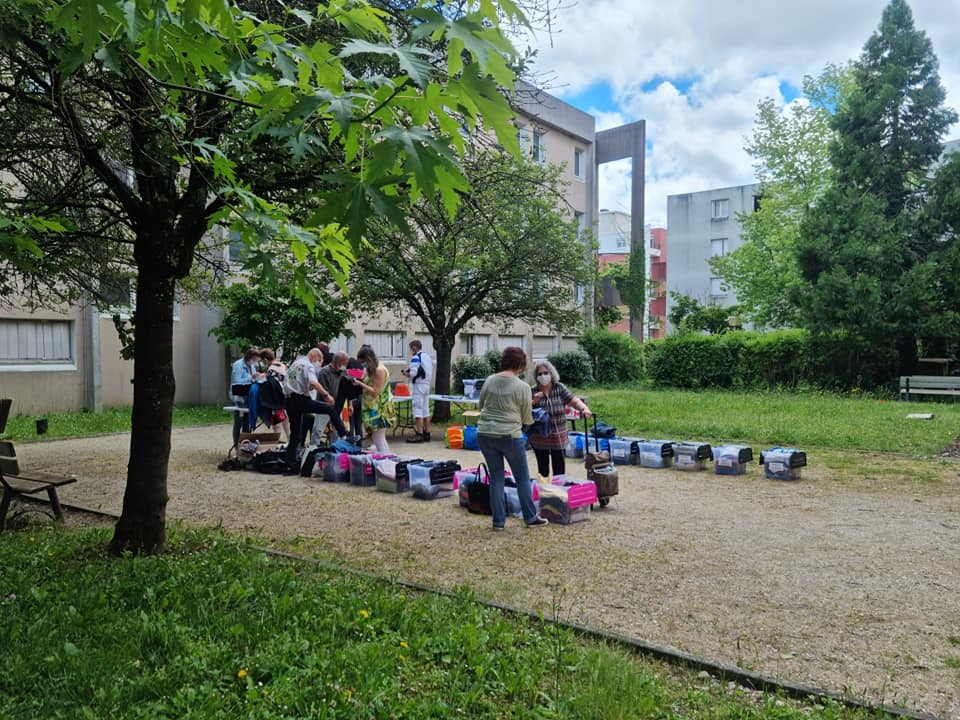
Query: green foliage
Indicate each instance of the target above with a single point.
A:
(493, 358)
(262, 313)
(509, 253)
(790, 149)
(870, 265)
(630, 280)
(82, 424)
(469, 367)
(615, 357)
(780, 359)
(574, 366)
(607, 315)
(688, 316)
(216, 629)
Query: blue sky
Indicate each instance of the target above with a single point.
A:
(695, 70)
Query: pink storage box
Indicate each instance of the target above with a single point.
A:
(582, 492)
(355, 373)
(469, 473)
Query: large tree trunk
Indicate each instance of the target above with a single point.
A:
(142, 524)
(444, 350)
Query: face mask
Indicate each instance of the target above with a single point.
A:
(544, 379)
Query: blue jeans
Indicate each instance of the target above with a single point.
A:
(495, 449)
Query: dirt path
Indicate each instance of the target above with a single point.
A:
(848, 579)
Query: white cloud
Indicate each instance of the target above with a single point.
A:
(725, 59)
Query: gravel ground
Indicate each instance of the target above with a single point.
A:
(848, 579)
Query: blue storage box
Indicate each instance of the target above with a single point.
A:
(470, 441)
(575, 445)
(621, 451)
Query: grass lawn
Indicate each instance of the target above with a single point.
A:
(765, 419)
(215, 629)
(79, 424)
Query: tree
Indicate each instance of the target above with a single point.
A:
(261, 312)
(869, 265)
(137, 125)
(510, 252)
(688, 315)
(630, 280)
(790, 149)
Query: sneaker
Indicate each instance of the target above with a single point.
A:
(425, 436)
(538, 522)
(417, 438)
(498, 528)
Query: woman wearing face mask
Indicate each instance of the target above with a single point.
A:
(551, 395)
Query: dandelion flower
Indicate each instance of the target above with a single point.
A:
(241, 673)
(403, 644)
(364, 614)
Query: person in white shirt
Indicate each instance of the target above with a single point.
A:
(301, 379)
(420, 371)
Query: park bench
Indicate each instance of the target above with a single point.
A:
(928, 385)
(19, 483)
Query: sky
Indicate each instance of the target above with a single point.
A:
(696, 69)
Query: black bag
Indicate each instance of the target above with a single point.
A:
(442, 471)
(310, 460)
(272, 462)
(478, 492)
(601, 470)
(240, 390)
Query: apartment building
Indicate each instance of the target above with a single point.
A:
(704, 225)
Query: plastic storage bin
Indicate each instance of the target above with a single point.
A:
(362, 471)
(692, 456)
(575, 445)
(654, 453)
(780, 463)
(731, 459)
(566, 504)
(621, 451)
(471, 387)
(392, 475)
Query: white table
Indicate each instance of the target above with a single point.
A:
(462, 402)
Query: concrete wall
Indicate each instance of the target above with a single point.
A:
(692, 228)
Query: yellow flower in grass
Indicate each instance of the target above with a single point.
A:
(364, 614)
(403, 644)
(241, 673)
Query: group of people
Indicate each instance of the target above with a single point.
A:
(319, 383)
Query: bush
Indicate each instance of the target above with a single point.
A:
(784, 358)
(693, 361)
(615, 357)
(469, 367)
(493, 360)
(574, 367)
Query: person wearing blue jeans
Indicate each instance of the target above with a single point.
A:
(505, 407)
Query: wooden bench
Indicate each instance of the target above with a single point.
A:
(16, 482)
(928, 385)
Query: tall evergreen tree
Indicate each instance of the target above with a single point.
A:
(868, 267)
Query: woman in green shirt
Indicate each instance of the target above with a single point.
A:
(505, 407)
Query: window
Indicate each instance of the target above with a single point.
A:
(757, 200)
(539, 147)
(544, 345)
(719, 209)
(343, 342)
(523, 137)
(568, 343)
(387, 345)
(237, 249)
(505, 341)
(579, 293)
(581, 223)
(718, 247)
(621, 241)
(37, 344)
(717, 287)
(474, 344)
(579, 171)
